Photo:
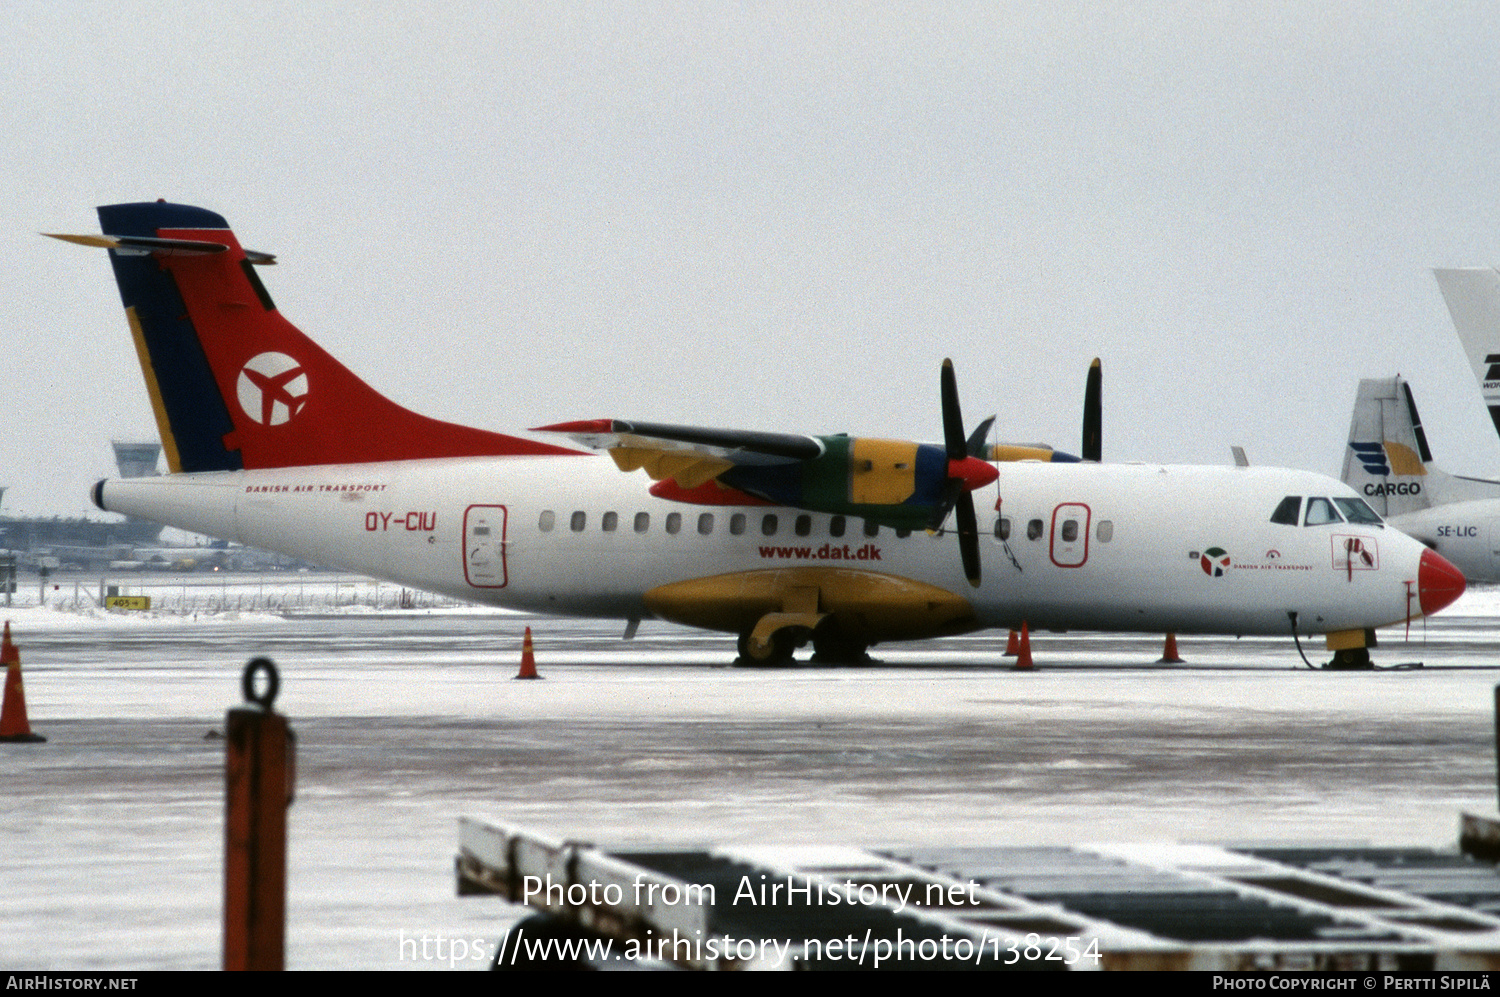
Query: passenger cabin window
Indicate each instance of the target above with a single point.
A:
(1070, 531)
(1357, 511)
(1002, 528)
(737, 523)
(1320, 512)
(579, 521)
(872, 528)
(768, 525)
(803, 525)
(836, 526)
(1289, 511)
(547, 520)
(1034, 530)
(674, 522)
(642, 522)
(706, 524)
(1105, 531)
(609, 523)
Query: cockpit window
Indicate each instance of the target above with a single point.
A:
(1356, 511)
(1289, 511)
(1320, 511)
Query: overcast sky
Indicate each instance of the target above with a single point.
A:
(775, 216)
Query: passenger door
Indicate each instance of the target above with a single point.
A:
(484, 546)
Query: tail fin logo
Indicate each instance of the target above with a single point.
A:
(272, 388)
(1492, 361)
(1372, 456)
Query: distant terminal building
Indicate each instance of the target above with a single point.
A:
(88, 542)
(77, 541)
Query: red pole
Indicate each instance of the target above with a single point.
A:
(260, 772)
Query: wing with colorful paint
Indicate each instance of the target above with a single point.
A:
(902, 484)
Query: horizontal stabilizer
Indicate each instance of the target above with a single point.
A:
(137, 245)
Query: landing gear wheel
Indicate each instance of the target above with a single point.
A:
(783, 643)
(1351, 659)
(832, 647)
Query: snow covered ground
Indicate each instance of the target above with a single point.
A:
(111, 834)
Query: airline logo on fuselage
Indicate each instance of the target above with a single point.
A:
(1216, 562)
(272, 388)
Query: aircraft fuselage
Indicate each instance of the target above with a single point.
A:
(1094, 547)
(1467, 534)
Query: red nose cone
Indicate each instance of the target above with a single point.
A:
(1439, 583)
(974, 473)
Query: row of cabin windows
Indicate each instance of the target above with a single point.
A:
(739, 523)
(802, 525)
(1069, 530)
(1322, 511)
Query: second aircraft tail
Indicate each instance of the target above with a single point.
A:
(1473, 298)
(1387, 460)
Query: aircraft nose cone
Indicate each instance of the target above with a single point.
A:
(1439, 583)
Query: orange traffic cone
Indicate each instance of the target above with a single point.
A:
(1169, 652)
(1023, 650)
(13, 723)
(1012, 644)
(528, 659)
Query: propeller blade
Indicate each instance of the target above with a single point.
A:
(968, 538)
(979, 440)
(953, 488)
(1093, 415)
(953, 420)
(967, 470)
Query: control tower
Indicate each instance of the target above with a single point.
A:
(136, 460)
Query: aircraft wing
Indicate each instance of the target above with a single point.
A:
(902, 484)
(688, 455)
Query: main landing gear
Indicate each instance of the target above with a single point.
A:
(831, 646)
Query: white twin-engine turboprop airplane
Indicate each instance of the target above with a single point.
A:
(775, 538)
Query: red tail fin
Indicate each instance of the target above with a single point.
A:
(233, 383)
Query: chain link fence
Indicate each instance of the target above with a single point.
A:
(225, 593)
